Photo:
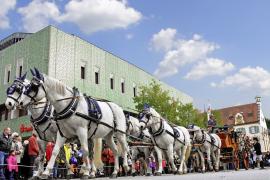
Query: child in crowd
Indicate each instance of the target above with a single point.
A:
(12, 165)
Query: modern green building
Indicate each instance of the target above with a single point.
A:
(74, 61)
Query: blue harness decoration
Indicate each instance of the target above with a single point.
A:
(94, 110)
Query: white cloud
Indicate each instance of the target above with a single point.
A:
(180, 52)
(256, 78)
(209, 67)
(164, 39)
(99, 15)
(129, 36)
(5, 7)
(38, 14)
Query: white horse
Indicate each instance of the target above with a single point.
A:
(42, 121)
(209, 144)
(144, 136)
(73, 121)
(167, 138)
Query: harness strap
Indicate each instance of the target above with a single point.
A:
(46, 114)
(114, 117)
(70, 109)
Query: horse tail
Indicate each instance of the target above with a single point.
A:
(97, 152)
(189, 147)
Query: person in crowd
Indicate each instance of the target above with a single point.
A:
(108, 160)
(211, 123)
(137, 166)
(152, 164)
(164, 167)
(49, 149)
(33, 150)
(257, 153)
(12, 165)
(5, 147)
(25, 161)
(267, 158)
(18, 148)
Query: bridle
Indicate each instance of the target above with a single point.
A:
(34, 88)
(15, 88)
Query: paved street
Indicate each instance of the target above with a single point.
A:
(256, 174)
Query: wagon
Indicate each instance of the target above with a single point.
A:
(229, 152)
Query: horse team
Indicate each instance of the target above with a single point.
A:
(61, 114)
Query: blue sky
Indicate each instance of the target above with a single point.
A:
(215, 51)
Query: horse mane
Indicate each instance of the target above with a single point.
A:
(154, 113)
(55, 85)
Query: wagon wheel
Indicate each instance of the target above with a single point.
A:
(245, 160)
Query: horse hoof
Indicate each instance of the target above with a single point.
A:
(134, 174)
(113, 176)
(157, 174)
(148, 174)
(203, 171)
(179, 172)
(92, 176)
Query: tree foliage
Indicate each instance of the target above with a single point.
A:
(170, 108)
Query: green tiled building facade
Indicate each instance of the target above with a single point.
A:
(76, 62)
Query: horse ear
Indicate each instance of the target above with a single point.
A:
(146, 106)
(39, 74)
(23, 77)
(32, 72)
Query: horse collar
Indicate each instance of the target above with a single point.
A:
(70, 109)
(46, 114)
(159, 131)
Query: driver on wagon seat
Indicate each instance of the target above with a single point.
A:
(211, 123)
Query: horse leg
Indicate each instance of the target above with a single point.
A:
(182, 162)
(159, 159)
(217, 153)
(208, 152)
(82, 134)
(214, 157)
(202, 160)
(110, 142)
(169, 153)
(41, 154)
(125, 149)
(58, 144)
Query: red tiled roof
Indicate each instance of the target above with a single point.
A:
(250, 113)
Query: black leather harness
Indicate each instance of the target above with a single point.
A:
(44, 117)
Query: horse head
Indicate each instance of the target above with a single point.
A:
(148, 117)
(34, 91)
(15, 91)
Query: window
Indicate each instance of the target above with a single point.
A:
(7, 74)
(243, 130)
(253, 129)
(8, 77)
(134, 90)
(111, 83)
(82, 72)
(122, 85)
(96, 77)
(19, 68)
(97, 74)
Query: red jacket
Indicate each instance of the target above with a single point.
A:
(33, 146)
(49, 149)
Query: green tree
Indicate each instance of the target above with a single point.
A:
(170, 108)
